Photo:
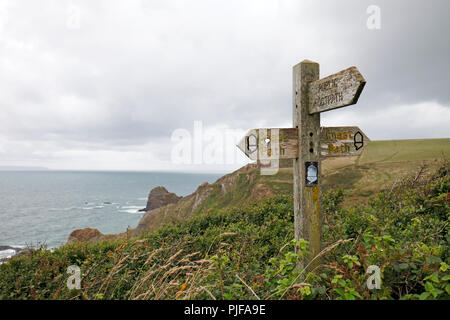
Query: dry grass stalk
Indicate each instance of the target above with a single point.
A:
(226, 234)
(248, 287)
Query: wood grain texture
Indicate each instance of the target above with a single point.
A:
(336, 91)
(307, 219)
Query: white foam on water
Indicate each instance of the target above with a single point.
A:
(19, 246)
(8, 253)
(63, 209)
(130, 209)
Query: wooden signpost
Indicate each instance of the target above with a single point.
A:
(307, 143)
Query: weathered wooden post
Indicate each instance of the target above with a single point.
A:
(307, 222)
(307, 143)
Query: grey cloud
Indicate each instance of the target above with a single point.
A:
(134, 72)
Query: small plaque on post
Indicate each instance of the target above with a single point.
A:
(312, 174)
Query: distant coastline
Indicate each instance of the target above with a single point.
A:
(22, 168)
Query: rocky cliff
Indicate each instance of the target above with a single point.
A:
(234, 189)
(160, 197)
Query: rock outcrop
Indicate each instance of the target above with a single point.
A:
(90, 234)
(86, 234)
(160, 197)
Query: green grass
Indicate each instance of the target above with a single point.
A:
(405, 150)
(346, 178)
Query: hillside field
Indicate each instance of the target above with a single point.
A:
(405, 150)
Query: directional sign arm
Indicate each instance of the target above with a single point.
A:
(273, 143)
(342, 141)
(260, 144)
(336, 91)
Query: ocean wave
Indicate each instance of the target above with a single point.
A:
(93, 207)
(63, 209)
(6, 254)
(133, 211)
(14, 246)
(130, 209)
(89, 206)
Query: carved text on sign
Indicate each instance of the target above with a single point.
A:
(342, 141)
(336, 91)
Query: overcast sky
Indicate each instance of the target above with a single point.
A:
(103, 84)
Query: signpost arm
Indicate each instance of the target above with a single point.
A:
(306, 198)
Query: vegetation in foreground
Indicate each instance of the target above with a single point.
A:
(248, 253)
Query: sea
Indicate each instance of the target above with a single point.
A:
(44, 207)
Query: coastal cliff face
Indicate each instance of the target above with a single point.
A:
(234, 189)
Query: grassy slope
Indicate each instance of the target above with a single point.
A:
(406, 150)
